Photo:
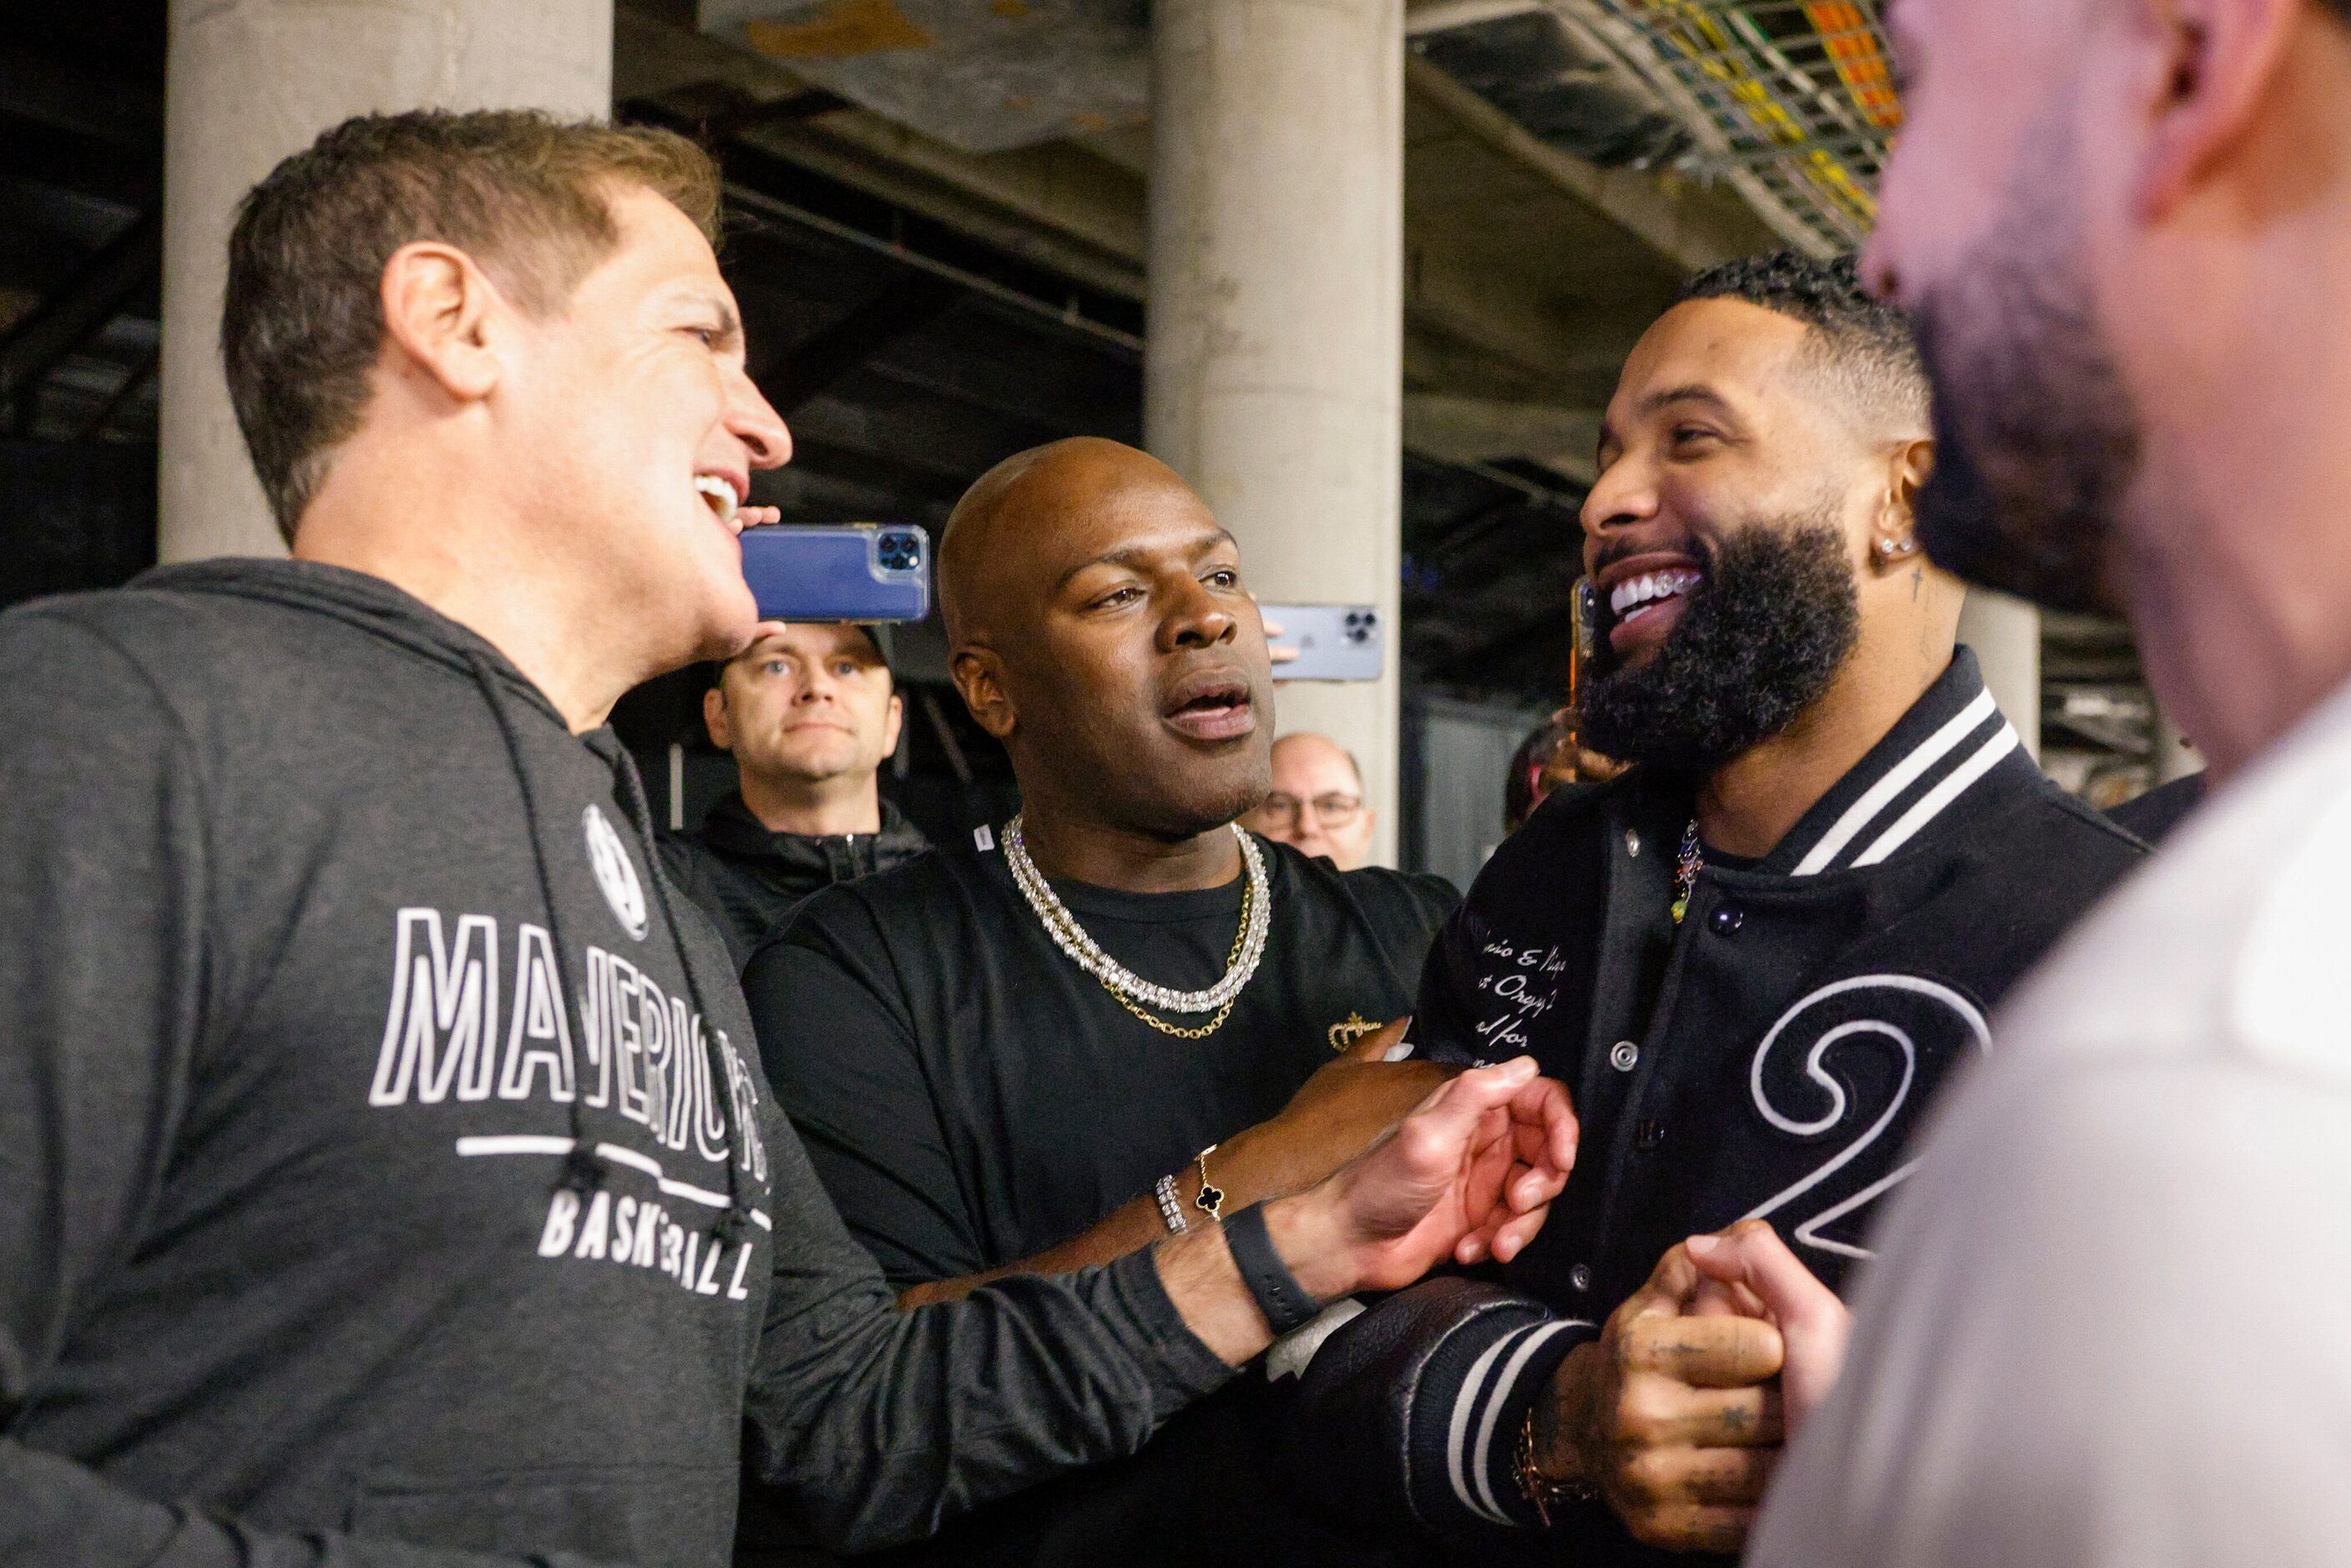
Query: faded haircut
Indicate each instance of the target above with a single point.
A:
(524, 194)
(1864, 346)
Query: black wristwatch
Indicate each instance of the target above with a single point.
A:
(1278, 1294)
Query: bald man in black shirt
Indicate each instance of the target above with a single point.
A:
(982, 1048)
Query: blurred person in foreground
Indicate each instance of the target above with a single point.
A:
(1317, 805)
(980, 1050)
(2104, 1326)
(1756, 958)
(809, 714)
(390, 1179)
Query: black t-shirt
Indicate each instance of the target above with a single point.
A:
(971, 1097)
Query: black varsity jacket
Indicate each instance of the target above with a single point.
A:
(1772, 1056)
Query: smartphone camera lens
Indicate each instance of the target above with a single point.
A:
(901, 552)
(1359, 624)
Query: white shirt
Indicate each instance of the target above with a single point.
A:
(2109, 1325)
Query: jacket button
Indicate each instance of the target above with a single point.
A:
(1728, 918)
(1580, 1277)
(1624, 1056)
(1647, 1134)
(1633, 843)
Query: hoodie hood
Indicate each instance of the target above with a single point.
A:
(357, 600)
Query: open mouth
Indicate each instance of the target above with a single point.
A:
(1651, 592)
(1646, 597)
(1212, 707)
(719, 495)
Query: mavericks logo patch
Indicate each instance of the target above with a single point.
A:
(609, 858)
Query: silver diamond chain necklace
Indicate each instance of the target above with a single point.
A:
(1071, 938)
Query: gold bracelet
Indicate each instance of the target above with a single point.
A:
(1544, 1492)
(1210, 1199)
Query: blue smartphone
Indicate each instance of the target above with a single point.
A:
(855, 571)
(1334, 641)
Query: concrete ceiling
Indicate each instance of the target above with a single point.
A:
(1530, 270)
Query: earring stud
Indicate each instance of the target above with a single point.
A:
(1894, 549)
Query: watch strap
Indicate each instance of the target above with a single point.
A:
(1284, 1302)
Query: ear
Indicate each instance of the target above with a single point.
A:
(1894, 537)
(2210, 64)
(891, 722)
(714, 718)
(1907, 473)
(980, 678)
(437, 310)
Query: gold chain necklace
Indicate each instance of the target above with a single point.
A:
(1240, 935)
(1240, 963)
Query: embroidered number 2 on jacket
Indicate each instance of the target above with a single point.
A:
(1797, 1087)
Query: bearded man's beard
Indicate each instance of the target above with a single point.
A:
(1761, 640)
(2036, 442)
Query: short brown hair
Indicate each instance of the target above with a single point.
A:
(520, 191)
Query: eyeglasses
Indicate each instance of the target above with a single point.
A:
(1282, 810)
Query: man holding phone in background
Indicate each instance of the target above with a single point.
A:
(810, 712)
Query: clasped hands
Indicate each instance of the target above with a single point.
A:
(1677, 1412)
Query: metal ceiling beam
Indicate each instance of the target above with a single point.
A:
(1465, 430)
(71, 316)
(1687, 225)
(50, 92)
(819, 362)
(1437, 15)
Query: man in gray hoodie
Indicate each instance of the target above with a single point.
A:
(385, 1177)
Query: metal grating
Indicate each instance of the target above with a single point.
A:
(1792, 101)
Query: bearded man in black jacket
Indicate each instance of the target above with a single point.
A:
(1754, 958)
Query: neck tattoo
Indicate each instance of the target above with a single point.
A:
(1129, 989)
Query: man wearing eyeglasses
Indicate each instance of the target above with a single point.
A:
(1317, 807)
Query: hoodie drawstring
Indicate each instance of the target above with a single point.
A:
(729, 1228)
(583, 1173)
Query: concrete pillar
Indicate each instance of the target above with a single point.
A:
(252, 80)
(2005, 632)
(1273, 375)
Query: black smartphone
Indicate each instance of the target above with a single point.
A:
(835, 571)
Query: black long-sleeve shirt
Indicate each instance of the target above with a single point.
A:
(386, 1171)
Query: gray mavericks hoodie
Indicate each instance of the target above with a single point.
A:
(383, 1157)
